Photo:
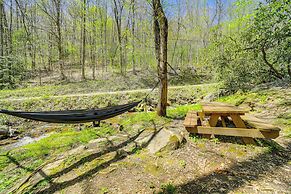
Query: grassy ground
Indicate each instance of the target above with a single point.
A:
(177, 96)
(103, 83)
(274, 104)
(220, 165)
(35, 154)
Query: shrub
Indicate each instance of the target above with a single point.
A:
(12, 71)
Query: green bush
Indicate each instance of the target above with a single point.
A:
(12, 71)
(255, 50)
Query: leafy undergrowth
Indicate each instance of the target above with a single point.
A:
(35, 154)
(177, 96)
(45, 98)
(274, 104)
(114, 83)
(106, 83)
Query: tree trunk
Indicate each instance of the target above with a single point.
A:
(84, 40)
(59, 37)
(118, 9)
(1, 29)
(50, 46)
(161, 44)
(5, 31)
(275, 72)
(133, 36)
(289, 70)
(10, 27)
(105, 37)
(178, 32)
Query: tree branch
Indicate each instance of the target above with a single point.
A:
(276, 73)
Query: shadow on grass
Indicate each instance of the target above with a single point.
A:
(239, 174)
(14, 161)
(176, 117)
(54, 187)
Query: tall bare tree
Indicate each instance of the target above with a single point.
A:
(133, 35)
(118, 10)
(161, 47)
(53, 10)
(83, 54)
(1, 28)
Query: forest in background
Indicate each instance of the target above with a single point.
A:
(239, 42)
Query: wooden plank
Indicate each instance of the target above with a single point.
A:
(259, 124)
(222, 108)
(191, 120)
(192, 129)
(223, 121)
(206, 136)
(213, 120)
(201, 115)
(239, 123)
(238, 132)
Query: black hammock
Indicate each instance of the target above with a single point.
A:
(74, 116)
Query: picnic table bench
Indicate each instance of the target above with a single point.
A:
(228, 120)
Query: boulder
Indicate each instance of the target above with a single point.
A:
(163, 140)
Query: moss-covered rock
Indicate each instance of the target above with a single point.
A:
(166, 139)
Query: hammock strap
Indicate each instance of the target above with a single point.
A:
(155, 86)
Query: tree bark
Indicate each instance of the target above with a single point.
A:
(59, 37)
(1, 29)
(84, 40)
(118, 9)
(105, 38)
(289, 70)
(161, 47)
(133, 35)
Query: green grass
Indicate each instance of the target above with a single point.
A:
(181, 111)
(54, 144)
(262, 100)
(47, 102)
(33, 155)
(168, 188)
(76, 88)
(240, 97)
(68, 88)
(176, 97)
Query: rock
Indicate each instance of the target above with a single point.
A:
(210, 97)
(4, 131)
(165, 140)
(144, 137)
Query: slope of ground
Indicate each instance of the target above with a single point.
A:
(108, 160)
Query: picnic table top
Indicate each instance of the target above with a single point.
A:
(222, 108)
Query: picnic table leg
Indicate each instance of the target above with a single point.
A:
(212, 122)
(223, 119)
(201, 115)
(239, 123)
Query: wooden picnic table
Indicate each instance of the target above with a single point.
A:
(218, 110)
(214, 119)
